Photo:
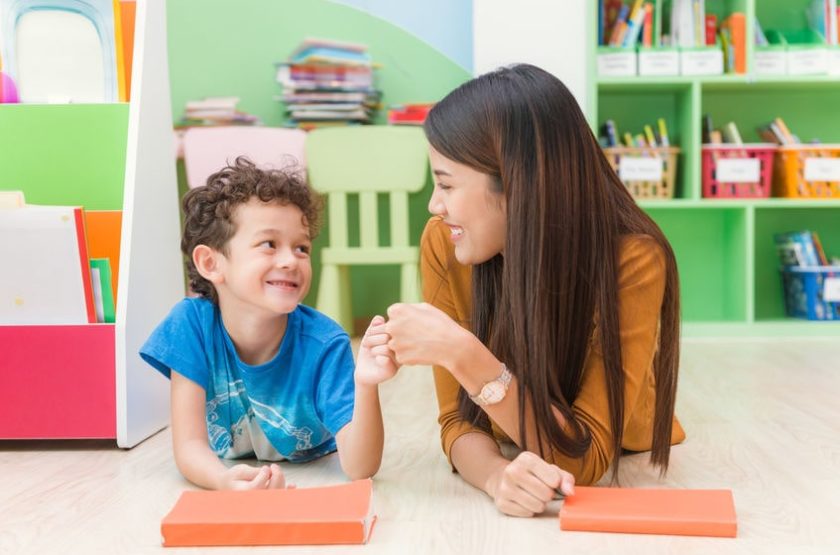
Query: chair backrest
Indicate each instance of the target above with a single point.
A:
(209, 149)
(367, 160)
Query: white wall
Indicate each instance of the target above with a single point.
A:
(551, 34)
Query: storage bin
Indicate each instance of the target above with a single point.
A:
(807, 171)
(812, 293)
(659, 62)
(648, 173)
(616, 62)
(737, 171)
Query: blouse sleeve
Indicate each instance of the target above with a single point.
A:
(446, 285)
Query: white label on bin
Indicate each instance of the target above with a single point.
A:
(831, 290)
(637, 168)
(738, 170)
(822, 169)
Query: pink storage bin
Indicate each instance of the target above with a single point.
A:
(746, 171)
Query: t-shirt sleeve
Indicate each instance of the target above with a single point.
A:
(178, 344)
(335, 394)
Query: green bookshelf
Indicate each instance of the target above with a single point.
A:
(729, 271)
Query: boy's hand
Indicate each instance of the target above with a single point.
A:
(375, 362)
(243, 477)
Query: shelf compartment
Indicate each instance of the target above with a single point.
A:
(711, 250)
(63, 382)
(633, 108)
(769, 300)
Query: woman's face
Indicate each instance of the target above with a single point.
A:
(474, 212)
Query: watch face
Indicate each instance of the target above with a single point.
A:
(492, 392)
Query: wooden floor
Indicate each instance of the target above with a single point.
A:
(762, 418)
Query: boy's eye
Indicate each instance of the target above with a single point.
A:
(268, 243)
(304, 249)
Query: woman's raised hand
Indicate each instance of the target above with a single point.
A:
(525, 485)
(423, 334)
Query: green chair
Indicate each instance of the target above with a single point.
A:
(368, 161)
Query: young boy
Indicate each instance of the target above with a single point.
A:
(253, 372)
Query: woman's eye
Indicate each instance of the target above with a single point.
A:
(443, 187)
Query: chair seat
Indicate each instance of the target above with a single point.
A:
(366, 255)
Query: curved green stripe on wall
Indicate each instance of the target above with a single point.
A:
(223, 48)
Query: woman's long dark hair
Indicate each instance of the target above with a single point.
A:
(536, 306)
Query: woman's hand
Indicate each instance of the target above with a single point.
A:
(423, 334)
(244, 476)
(375, 362)
(524, 486)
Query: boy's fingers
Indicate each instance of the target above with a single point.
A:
(278, 480)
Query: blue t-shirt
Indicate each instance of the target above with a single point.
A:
(290, 407)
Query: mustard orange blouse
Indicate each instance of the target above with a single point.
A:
(447, 285)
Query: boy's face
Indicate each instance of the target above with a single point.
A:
(267, 266)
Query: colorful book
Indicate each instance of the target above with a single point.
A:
(736, 23)
(680, 512)
(333, 515)
(46, 274)
(103, 294)
(797, 248)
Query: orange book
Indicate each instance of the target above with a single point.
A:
(128, 9)
(103, 229)
(681, 512)
(737, 24)
(340, 514)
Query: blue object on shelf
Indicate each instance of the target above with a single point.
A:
(806, 289)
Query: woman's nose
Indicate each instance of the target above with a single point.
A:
(436, 206)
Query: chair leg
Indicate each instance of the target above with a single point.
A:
(409, 283)
(334, 295)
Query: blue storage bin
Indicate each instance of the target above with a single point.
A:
(805, 290)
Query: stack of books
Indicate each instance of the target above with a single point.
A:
(215, 111)
(328, 83)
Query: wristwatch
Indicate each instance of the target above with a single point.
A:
(493, 391)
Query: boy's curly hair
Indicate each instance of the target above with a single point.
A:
(208, 210)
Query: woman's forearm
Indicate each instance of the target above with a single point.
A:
(478, 460)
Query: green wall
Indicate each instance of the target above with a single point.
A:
(222, 48)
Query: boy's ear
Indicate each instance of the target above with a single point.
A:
(207, 262)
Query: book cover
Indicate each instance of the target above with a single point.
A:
(682, 512)
(797, 248)
(46, 275)
(341, 514)
(103, 295)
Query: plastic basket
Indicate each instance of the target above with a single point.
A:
(812, 293)
(739, 178)
(797, 171)
(661, 188)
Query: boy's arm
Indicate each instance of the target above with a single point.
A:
(196, 461)
(361, 441)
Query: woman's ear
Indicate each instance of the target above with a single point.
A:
(208, 263)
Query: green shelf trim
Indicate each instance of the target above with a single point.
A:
(721, 82)
(739, 203)
(775, 329)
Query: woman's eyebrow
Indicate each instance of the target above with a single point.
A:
(442, 172)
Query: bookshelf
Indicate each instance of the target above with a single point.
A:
(87, 381)
(729, 275)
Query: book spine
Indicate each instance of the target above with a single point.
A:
(85, 265)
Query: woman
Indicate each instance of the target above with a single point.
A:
(553, 315)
